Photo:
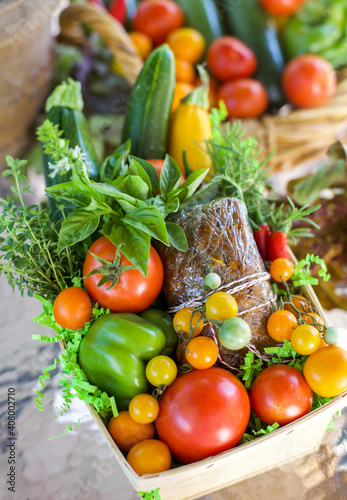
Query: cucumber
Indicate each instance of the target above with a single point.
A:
(149, 107)
(202, 15)
(247, 21)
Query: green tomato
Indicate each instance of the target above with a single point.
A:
(234, 334)
(161, 370)
(213, 281)
(332, 336)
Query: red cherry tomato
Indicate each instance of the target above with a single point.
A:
(133, 292)
(309, 80)
(72, 308)
(281, 7)
(203, 413)
(244, 98)
(229, 58)
(280, 394)
(157, 18)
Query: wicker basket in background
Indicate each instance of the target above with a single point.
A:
(292, 137)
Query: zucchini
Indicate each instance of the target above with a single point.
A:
(247, 21)
(202, 15)
(149, 107)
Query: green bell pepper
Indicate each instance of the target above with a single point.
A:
(164, 321)
(114, 353)
(319, 27)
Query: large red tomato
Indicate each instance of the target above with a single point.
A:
(309, 80)
(203, 413)
(244, 98)
(157, 18)
(280, 394)
(133, 292)
(229, 58)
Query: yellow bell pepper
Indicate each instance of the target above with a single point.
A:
(190, 127)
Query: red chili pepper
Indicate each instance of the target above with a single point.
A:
(277, 246)
(98, 3)
(261, 237)
(118, 9)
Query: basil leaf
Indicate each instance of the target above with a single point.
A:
(170, 176)
(77, 227)
(137, 187)
(114, 192)
(151, 172)
(159, 203)
(150, 221)
(136, 169)
(176, 236)
(172, 204)
(206, 194)
(191, 184)
(137, 244)
(67, 191)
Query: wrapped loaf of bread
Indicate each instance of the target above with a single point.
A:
(220, 240)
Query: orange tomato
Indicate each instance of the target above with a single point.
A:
(144, 408)
(326, 371)
(183, 319)
(126, 432)
(187, 44)
(72, 308)
(142, 42)
(281, 268)
(181, 90)
(149, 457)
(203, 352)
(280, 325)
(299, 302)
(185, 71)
(309, 320)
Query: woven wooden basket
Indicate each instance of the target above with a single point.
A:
(292, 137)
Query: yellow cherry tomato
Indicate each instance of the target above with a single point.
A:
(221, 306)
(281, 324)
(187, 43)
(306, 339)
(161, 370)
(149, 457)
(184, 320)
(326, 371)
(144, 408)
(281, 268)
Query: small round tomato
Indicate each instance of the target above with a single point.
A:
(281, 268)
(220, 306)
(142, 42)
(144, 408)
(244, 98)
(185, 71)
(229, 58)
(126, 432)
(157, 18)
(308, 81)
(182, 89)
(311, 318)
(332, 335)
(281, 7)
(213, 281)
(203, 413)
(187, 44)
(299, 302)
(184, 320)
(161, 370)
(234, 334)
(305, 339)
(280, 394)
(133, 292)
(149, 457)
(202, 353)
(326, 371)
(72, 308)
(280, 325)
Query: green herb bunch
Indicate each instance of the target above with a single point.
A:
(29, 254)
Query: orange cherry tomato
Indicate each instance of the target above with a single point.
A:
(326, 371)
(281, 7)
(281, 268)
(306, 339)
(221, 306)
(308, 318)
(299, 303)
(149, 457)
(183, 318)
(281, 324)
(182, 89)
(185, 71)
(203, 352)
(187, 44)
(72, 308)
(244, 98)
(126, 432)
(144, 408)
(142, 42)
(157, 18)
